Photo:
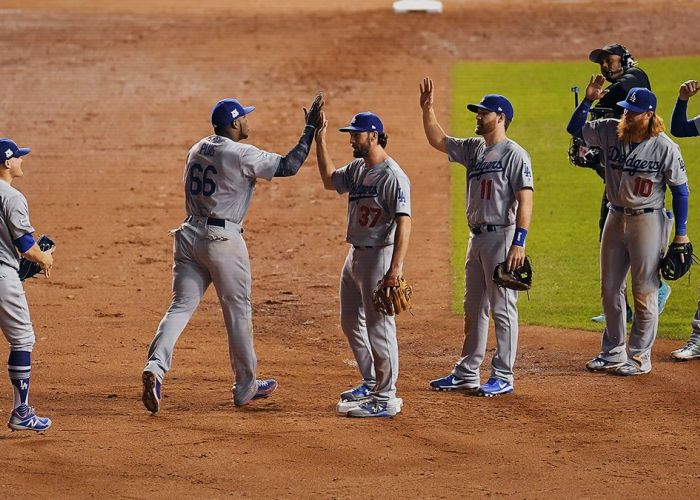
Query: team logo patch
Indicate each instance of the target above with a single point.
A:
(235, 114)
(401, 196)
(8, 153)
(633, 98)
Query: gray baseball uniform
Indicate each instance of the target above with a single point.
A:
(376, 195)
(15, 322)
(495, 174)
(635, 234)
(220, 176)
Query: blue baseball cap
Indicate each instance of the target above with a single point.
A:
(226, 111)
(10, 149)
(639, 100)
(493, 102)
(364, 122)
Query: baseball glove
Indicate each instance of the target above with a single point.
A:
(27, 268)
(313, 115)
(677, 261)
(520, 279)
(392, 298)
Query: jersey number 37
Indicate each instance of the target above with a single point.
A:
(200, 181)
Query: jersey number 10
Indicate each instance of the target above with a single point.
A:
(200, 181)
(642, 187)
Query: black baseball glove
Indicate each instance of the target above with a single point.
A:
(27, 268)
(313, 115)
(677, 261)
(520, 279)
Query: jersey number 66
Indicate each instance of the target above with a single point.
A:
(200, 181)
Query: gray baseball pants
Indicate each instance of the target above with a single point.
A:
(205, 254)
(481, 297)
(371, 334)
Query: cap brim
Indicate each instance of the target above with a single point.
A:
(474, 108)
(597, 54)
(248, 110)
(22, 152)
(632, 107)
(353, 129)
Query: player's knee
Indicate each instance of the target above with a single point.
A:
(23, 342)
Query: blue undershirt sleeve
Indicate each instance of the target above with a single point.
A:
(680, 125)
(578, 119)
(680, 207)
(24, 243)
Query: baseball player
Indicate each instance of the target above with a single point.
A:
(499, 207)
(640, 161)
(379, 228)
(620, 69)
(682, 127)
(219, 179)
(16, 235)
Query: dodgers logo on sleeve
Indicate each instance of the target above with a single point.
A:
(401, 196)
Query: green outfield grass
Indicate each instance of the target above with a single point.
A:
(563, 238)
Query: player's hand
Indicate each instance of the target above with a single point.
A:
(516, 257)
(47, 263)
(688, 90)
(594, 89)
(313, 115)
(321, 130)
(681, 239)
(426, 94)
(391, 277)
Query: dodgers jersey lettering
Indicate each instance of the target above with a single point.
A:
(636, 176)
(375, 196)
(494, 175)
(220, 177)
(15, 214)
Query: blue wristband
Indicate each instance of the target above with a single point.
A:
(519, 236)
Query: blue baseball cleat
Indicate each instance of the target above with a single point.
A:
(495, 387)
(24, 418)
(452, 383)
(664, 294)
(265, 388)
(151, 392)
(357, 393)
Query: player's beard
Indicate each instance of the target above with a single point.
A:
(483, 128)
(628, 131)
(360, 150)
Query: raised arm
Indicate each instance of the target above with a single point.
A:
(291, 163)
(680, 125)
(594, 91)
(325, 164)
(433, 131)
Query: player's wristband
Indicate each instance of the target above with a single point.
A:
(519, 237)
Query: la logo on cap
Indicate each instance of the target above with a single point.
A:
(633, 97)
(8, 153)
(354, 119)
(234, 114)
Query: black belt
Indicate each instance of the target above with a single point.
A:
(484, 227)
(360, 247)
(211, 221)
(633, 211)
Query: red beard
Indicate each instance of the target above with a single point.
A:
(637, 131)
